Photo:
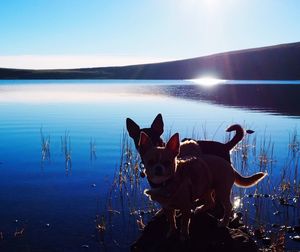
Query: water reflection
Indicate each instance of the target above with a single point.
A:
(208, 81)
(237, 202)
(278, 99)
(90, 148)
(69, 93)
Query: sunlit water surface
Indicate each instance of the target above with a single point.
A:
(55, 202)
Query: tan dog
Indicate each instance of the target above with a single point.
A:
(184, 181)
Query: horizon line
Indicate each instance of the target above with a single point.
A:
(79, 61)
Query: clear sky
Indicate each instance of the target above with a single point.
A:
(78, 33)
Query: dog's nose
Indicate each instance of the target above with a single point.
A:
(158, 170)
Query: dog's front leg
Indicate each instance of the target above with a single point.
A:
(209, 202)
(170, 213)
(185, 223)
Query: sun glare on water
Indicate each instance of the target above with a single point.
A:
(208, 81)
(237, 202)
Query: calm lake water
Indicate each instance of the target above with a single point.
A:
(50, 204)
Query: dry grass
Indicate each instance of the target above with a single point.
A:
(67, 151)
(272, 203)
(45, 146)
(270, 207)
(93, 149)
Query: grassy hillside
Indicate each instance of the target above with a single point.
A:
(280, 62)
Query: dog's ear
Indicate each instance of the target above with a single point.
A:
(133, 129)
(145, 143)
(158, 124)
(174, 144)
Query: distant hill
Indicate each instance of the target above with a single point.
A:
(279, 62)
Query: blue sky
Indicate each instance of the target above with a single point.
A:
(76, 33)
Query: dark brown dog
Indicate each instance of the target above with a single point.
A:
(207, 147)
(191, 148)
(154, 132)
(184, 181)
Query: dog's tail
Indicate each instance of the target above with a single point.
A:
(241, 181)
(239, 134)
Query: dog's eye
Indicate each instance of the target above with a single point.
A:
(167, 163)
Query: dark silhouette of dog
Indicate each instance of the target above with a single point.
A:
(156, 129)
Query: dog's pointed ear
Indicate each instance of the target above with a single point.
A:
(158, 124)
(174, 144)
(144, 143)
(133, 129)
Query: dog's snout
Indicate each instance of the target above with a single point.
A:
(158, 170)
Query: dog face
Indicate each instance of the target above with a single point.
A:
(159, 162)
(154, 132)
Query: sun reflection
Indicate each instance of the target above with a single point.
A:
(237, 202)
(208, 81)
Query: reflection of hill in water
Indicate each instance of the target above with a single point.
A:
(281, 99)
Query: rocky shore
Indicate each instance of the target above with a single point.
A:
(205, 235)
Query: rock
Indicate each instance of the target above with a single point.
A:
(259, 233)
(267, 241)
(295, 238)
(275, 225)
(205, 235)
(297, 229)
(85, 246)
(236, 222)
